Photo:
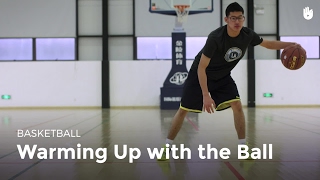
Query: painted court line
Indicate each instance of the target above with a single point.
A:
(289, 124)
(25, 170)
(47, 121)
(8, 154)
(234, 171)
(193, 125)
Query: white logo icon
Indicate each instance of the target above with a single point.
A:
(307, 13)
(233, 54)
(178, 78)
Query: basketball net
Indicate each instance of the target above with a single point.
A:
(182, 12)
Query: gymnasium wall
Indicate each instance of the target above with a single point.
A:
(51, 84)
(137, 83)
(289, 87)
(37, 18)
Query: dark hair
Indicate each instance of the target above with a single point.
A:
(233, 7)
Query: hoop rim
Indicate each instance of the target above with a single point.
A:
(181, 6)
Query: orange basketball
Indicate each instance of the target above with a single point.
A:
(293, 57)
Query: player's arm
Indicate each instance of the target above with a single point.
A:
(276, 44)
(208, 103)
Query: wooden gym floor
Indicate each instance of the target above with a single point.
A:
(293, 132)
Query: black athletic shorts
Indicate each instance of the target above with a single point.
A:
(223, 92)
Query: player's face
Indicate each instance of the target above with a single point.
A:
(235, 20)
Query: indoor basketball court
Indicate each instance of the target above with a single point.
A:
(85, 100)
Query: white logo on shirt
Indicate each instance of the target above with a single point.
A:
(233, 54)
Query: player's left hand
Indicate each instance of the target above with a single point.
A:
(208, 104)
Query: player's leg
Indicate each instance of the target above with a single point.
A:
(240, 124)
(239, 119)
(226, 95)
(191, 101)
(177, 122)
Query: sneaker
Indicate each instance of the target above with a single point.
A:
(163, 157)
(246, 165)
(165, 167)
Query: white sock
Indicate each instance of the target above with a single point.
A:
(169, 141)
(242, 141)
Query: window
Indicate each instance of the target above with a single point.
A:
(55, 49)
(16, 49)
(157, 48)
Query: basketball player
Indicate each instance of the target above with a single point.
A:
(209, 85)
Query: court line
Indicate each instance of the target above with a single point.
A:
(233, 170)
(8, 154)
(292, 119)
(306, 114)
(23, 171)
(193, 125)
(83, 121)
(47, 121)
(34, 164)
(277, 121)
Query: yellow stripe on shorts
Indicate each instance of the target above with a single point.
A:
(190, 110)
(226, 104)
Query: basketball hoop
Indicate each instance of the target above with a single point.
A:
(182, 12)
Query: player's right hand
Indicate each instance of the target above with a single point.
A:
(208, 104)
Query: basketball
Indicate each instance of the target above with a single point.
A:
(293, 57)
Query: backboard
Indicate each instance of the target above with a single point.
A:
(167, 6)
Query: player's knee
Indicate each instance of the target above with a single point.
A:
(182, 112)
(236, 106)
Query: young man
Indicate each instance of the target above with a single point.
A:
(209, 84)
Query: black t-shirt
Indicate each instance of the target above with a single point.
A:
(224, 51)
